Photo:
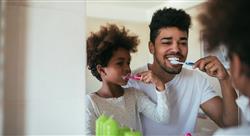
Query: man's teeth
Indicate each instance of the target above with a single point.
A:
(173, 58)
(175, 62)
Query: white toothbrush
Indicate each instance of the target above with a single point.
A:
(178, 62)
(174, 60)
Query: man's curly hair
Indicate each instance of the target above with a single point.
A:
(102, 44)
(227, 22)
(168, 17)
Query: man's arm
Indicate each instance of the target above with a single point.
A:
(223, 111)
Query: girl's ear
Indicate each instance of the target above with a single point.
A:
(151, 47)
(243, 69)
(240, 70)
(237, 65)
(100, 70)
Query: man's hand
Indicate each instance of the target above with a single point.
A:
(212, 66)
(223, 111)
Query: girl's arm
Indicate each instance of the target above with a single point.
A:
(158, 112)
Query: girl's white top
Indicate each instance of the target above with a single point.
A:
(126, 109)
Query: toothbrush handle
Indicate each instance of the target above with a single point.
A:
(136, 77)
(189, 63)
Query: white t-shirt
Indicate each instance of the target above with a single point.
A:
(126, 109)
(234, 131)
(243, 130)
(187, 91)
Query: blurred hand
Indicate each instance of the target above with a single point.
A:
(212, 66)
(149, 77)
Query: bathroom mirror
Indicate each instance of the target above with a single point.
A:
(135, 16)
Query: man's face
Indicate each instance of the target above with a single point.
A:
(170, 42)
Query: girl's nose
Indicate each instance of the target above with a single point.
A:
(127, 69)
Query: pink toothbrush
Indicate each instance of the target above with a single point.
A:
(134, 77)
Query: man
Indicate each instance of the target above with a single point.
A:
(231, 28)
(187, 90)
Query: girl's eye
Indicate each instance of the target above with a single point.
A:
(119, 63)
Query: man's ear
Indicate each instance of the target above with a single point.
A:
(100, 69)
(151, 47)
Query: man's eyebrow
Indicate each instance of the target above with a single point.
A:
(183, 38)
(166, 38)
(170, 38)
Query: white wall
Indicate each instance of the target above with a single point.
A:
(44, 68)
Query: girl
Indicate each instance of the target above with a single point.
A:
(108, 58)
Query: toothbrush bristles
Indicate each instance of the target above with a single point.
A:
(176, 62)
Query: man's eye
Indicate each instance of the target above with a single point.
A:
(168, 43)
(120, 63)
(183, 43)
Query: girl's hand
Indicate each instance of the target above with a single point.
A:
(149, 77)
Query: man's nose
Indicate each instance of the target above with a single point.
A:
(175, 47)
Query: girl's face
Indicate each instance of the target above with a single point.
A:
(118, 67)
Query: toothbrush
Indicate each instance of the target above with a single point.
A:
(175, 60)
(178, 62)
(134, 77)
